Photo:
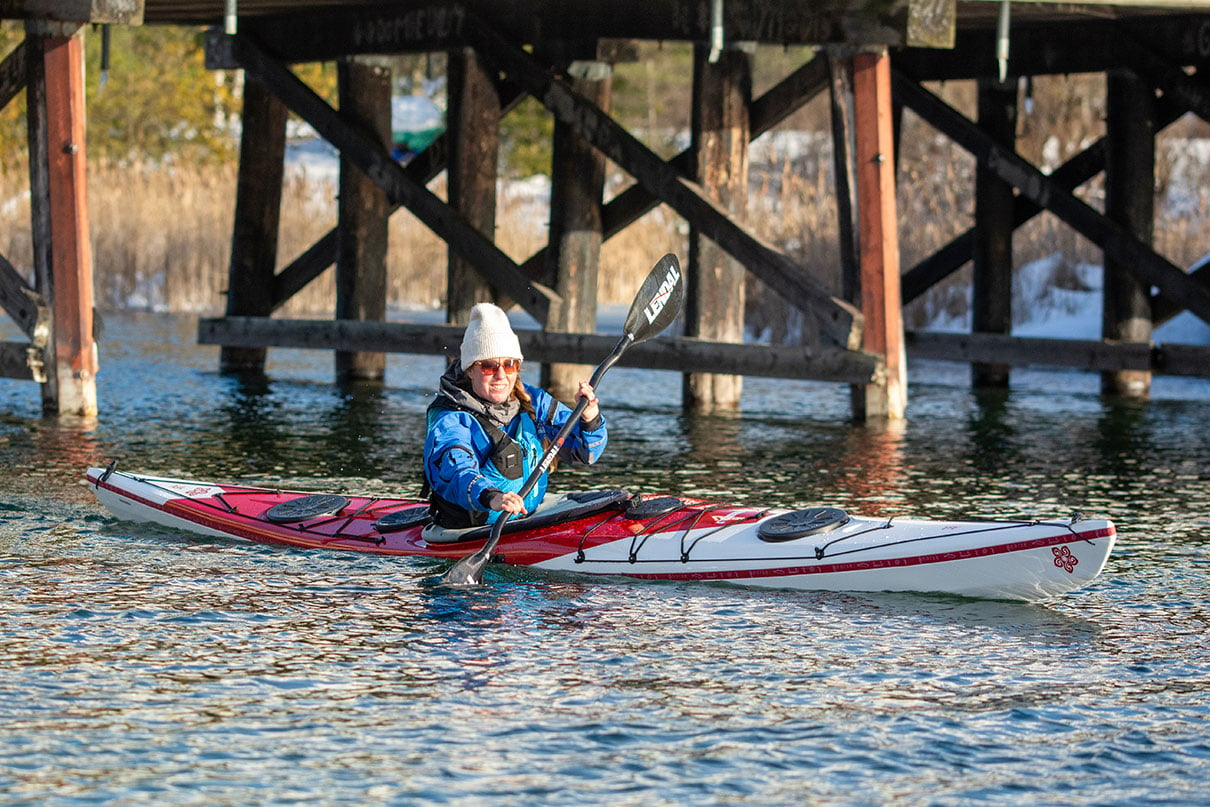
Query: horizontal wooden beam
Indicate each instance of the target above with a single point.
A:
(121, 12)
(321, 34)
(401, 189)
(1060, 47)
(837, 319)
(1078, 354)
(680, 355)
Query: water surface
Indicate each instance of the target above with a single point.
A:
(141, 666)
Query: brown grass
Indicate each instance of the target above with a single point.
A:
(161, 238)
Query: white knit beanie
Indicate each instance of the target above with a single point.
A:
(489, 336)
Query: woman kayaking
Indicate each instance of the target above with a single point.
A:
(487, 429)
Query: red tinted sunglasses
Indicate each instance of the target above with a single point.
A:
(488, 367)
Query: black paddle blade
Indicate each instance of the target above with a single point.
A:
(658, 301)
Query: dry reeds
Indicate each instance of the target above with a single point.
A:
(161, 236)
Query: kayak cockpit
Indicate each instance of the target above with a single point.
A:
(555, 509)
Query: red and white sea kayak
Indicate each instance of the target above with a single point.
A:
(662, 538)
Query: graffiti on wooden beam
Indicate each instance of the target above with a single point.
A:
(390, 32)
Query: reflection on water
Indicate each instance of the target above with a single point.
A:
(141, 666)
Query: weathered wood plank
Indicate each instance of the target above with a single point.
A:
(1130, 201)
(361, 268)
(473, 137)
(74, 351)
(1017, 351)
(401, 188)
(839, 320)
(992, 278)
(1089, 355)
(12, 74)
(1186, 360)
(306, 267)
(23, 304)
(325, 34)
(1163, 309)
(714, 281)
(1061, 47)
(878, 235)
(1115, 239)
(254, 232)
(121, 12)
(576, 198)
(678, 355)
(840, 78)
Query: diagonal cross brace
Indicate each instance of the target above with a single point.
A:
(401, 189)
(1145, 264)
(839, 320)
(23, 304)
(12, 74)
(787, 96)
(1068, 176)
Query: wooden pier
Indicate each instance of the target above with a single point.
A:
(874, 61)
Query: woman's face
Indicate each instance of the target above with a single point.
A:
(493, 379)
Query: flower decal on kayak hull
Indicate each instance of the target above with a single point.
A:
(1064, 559)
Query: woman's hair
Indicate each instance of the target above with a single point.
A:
(527, 404)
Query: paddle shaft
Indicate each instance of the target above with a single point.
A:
(468, 569)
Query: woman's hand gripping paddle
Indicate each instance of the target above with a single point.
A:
(655, 306)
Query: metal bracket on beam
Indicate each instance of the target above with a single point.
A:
(220, 54)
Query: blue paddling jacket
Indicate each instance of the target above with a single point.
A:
(468, 457)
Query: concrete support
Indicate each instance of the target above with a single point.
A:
(1130, 201)
(992, 294)
(473, 129)
(364, 210)
(714, 304)
(577, 185)
(59, 201)
(879, 237)
(257, 216)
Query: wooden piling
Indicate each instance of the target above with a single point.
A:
(254, 234)
(992, 287)
(364, 86)
(840, 75)
(1130, 201)
(577, 187)
(879, 236)
(473, 130)
(714, 302)
(58, 192)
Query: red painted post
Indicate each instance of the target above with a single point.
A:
(75, 352)
(874, 152)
